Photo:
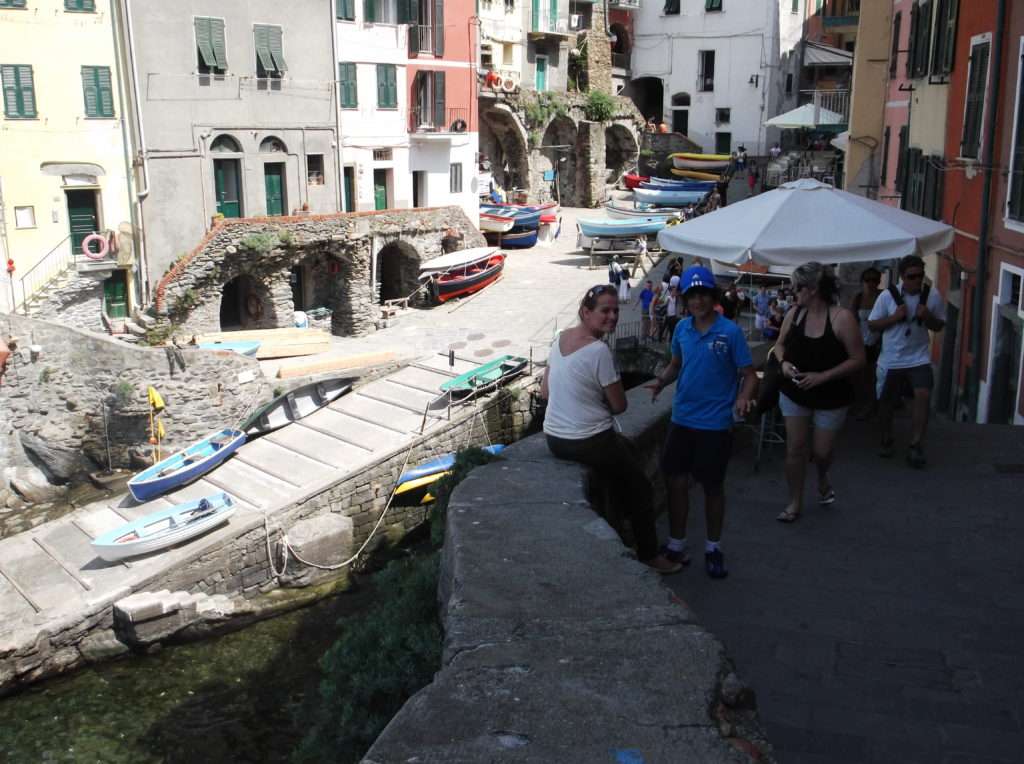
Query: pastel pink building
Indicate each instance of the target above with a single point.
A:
(897, 104)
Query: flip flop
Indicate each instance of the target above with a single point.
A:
(787, 516)
(829, 497)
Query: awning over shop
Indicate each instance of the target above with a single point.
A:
(817, 54)
(806, 116)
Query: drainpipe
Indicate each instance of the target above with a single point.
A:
(336, 105)
(986, 217)
(142, 193)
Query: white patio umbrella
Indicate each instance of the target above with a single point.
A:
(802, 221)
(804, 116)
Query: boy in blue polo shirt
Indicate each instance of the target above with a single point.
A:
(709, 357)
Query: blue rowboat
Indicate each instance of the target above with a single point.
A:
(642, 212)
(668, 198)
(242, 347)
(440, 464)
(659, 184)
(165, 528)
(524, 217)
(610, 228)
(185, 466)
(521, 239)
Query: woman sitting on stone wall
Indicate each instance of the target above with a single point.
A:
(584, 391)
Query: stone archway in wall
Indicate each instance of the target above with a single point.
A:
(246, 303)
(621, 151)
(558, 152)
(397, 270)
(648, 93)
(503, 142)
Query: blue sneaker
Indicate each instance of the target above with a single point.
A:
(682, 556)
(714, 564)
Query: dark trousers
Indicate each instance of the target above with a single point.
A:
(668, 328)
(612, 456)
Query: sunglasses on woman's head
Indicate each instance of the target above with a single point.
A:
(601, 289)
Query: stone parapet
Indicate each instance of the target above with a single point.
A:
(559, 645)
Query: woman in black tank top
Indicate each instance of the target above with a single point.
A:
(819, 347)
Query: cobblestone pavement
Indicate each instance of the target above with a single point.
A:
(886, 627)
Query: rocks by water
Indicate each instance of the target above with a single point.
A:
(31, 485)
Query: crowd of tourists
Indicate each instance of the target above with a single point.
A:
(826, 360)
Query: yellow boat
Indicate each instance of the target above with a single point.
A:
(702, 157)
(407, 490)
(695, 175)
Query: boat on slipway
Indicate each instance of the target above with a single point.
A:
(700, 162)
(160, 530)
(187, 465)
(632, 180)
(696, 174)
(494, 223)
(523, 217)
(414, 484)
(659, 184)
(462, 273)
(296, 404)
(488, 375)
(242, 347)
(667, 197)
(605, 229)
(641, 212)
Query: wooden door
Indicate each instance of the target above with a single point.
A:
(273, 179)
(380, 189)
(83, 218)
(115, 294)
(228, 189)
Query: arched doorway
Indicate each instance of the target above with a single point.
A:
(681, 113)
(244, 304)
(620, 151)
(397, 271)
(558, 155)
(503, 146)
(648, 93)
(227, 175)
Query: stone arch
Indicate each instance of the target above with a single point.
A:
(648, 93)
(225, 144)
(273, 145)
(558, 152)
(503, 142)
(397, 271)
(246, 303)
(621, 151)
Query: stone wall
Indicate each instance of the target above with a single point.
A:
(336, 251)
(599, 52)
(76, 299)
(660, 145)
(57, 399)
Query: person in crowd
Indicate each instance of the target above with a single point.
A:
(616, 275)
(709, 358)
(730, 302)
(775, 151)
(584, 391)
(820, 349)
(861, 306)
(722, 189)
(671, 311)
(659, 310)
(774, 325)
(741, 158)
(762, 308)
(904, 315)
(646, 297)
(752, 179)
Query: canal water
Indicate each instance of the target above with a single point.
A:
(236, 698)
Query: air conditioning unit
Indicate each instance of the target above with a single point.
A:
(575, 21)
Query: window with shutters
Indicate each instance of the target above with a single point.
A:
(671, 7)
(712, 5)
(19, 91)
(885, 155)
(87, 6)
(211, 51)
(921, 34)
(348, 94)
(705, 71)
(945, 36)
(387, 86)
(974, 108)
(345, 10)
(428, 111)
(315, 169)
(894, 50)
(901, 160)
(455, 178)
(1015, 197)
(380, 11)
(97, 92)
(795, 8)
(12, 3)
(912, 39)
(269, 51)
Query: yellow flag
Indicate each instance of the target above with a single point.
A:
(154, 399)
(160, 433)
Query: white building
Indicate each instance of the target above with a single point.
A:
(711, 65)
(502, 42)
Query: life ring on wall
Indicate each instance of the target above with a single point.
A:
(254, 306)
(508, 85)
(104, 246)
(459, 126)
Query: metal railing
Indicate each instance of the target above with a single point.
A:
(547, 23)
(837, 101)
(626, 4)
(423, 118)
(421, 38)
(52, 265)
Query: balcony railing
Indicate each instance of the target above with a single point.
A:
(544, 23)
(620, 61)
(628, 5)
(424, 119)
(837, 101)
(841, 13)
(421, 38)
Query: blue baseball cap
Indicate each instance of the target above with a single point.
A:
(696, 276)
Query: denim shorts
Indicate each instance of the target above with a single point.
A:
(823, 419)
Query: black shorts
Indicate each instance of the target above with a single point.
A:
(914, 378)
(701, 453)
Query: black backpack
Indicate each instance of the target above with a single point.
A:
(897, 296)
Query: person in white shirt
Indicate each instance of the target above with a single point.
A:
(584, 391)
(904, 315)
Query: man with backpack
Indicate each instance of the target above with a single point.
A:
(904, 315)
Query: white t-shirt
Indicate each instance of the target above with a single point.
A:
(576, 404)
(906, 344)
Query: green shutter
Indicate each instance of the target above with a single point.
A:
(9, 80)
(19, 91)
(713, 5)
(407, 11)
(78, 5)
(369, 11)
(922, 48)
(347, 80)
(346, 10)
(949, 49)
(12, 3)
(912, 40)
(106, 91)
(204, 43)
(438, 27)
(217, 40)
(381, 87)
(387, 88)
(277, 49)
(439, 115)
(263, 55)
(90, 91)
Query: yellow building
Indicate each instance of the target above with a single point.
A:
(867, 102)
(63, 167)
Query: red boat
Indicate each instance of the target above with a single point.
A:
(633, 181)
(461, 273)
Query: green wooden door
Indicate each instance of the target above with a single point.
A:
(83, 218)
(380, 189)
(350, 189)
(115, 295)
(542, 74)
(273, 179)
(228, 187)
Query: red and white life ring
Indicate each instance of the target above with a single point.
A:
(508, 85)
(104, 246)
